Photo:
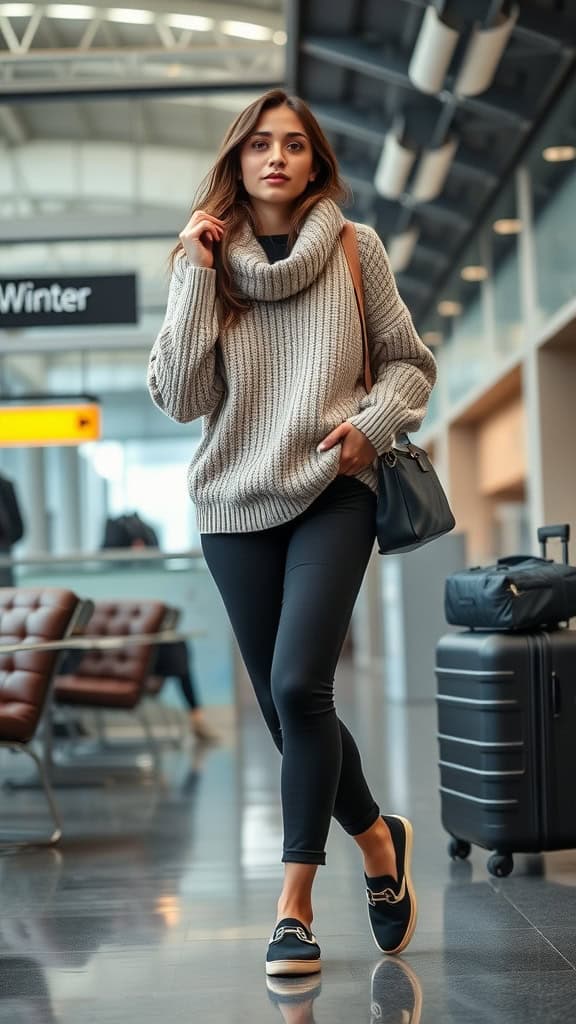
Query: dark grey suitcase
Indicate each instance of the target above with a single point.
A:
(507, 739)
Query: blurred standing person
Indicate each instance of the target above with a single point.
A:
(11, 527)
(262, 337)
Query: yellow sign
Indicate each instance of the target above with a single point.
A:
(49, 424)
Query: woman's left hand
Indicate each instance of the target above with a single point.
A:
(357, 451)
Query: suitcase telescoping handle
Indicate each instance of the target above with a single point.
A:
(560, 532)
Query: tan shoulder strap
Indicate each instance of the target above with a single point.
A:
(350, 246)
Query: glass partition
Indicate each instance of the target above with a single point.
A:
(504, 229)
(479, 315)
(552, 166)
(181, 580)
(469, 356)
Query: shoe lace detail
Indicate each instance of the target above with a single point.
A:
(292, 930)
(387, 895)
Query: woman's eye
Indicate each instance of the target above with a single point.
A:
(259, 145)
(295, 145)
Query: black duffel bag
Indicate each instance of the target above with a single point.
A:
(520, 592)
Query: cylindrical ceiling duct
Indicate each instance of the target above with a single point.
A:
(483, 55)
(393, 168)
(401, 249)
(432, 53)
(433, 171)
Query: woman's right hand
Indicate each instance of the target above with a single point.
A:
(198, 238)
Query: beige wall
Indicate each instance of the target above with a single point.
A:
(502, 450)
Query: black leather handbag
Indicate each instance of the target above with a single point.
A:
(412, 508)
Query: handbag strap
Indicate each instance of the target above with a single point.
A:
(349, 242)
(350, 245)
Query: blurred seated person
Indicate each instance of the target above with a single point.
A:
(172, 660)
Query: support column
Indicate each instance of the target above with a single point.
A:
(32, 493)
(66, 501)
(530, 368)
(93, 505)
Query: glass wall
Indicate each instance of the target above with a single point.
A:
(504, 229)
(552, 167)
(180, 582)
(478, 317)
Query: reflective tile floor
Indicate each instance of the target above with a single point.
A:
(158, 904)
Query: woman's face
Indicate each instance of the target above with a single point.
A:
(277, 161)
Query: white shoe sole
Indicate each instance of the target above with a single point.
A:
(409, 887)
(274, 967)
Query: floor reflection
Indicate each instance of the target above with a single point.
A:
(396, 993)
(394, 996)
(294, 998)
(24, 994)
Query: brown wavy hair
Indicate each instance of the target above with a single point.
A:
(223, 195)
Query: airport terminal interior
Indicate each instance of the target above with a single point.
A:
(140, 824)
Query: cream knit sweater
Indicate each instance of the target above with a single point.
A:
(287, 373)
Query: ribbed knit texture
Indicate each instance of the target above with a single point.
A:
(272, 387)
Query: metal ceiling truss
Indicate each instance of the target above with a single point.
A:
(38, 59)
(422, 142)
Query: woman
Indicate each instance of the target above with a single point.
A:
(262, 338)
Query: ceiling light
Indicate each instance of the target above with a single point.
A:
(280, 38)
(77, 12)
(508, 226)
(449, 308)
(130, 16)
(433, 171)
(473, 273)
(16, 10)
(432, 53)
(246, 30)
(401, 249)
(393, 168)
(558, 154)
(192, 22)
(483, 55)
(432, 338)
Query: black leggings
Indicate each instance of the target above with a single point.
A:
(289, 592)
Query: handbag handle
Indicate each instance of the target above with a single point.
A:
(350, 245)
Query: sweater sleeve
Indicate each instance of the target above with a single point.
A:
(183, 379)
(403, 368)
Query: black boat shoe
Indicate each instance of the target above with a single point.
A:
(391, 903)
(292, 949)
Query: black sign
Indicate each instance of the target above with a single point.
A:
(56, 301)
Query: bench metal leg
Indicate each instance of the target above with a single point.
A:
(34, 840)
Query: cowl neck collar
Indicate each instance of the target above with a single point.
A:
(259, 279)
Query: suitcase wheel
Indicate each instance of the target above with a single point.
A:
(500, 865)
(458, 849)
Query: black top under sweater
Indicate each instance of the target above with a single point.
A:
(275, 247)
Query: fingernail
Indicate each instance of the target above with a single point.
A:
(321, 448)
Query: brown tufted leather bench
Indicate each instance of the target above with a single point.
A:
(115, 678)
(30, 615)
